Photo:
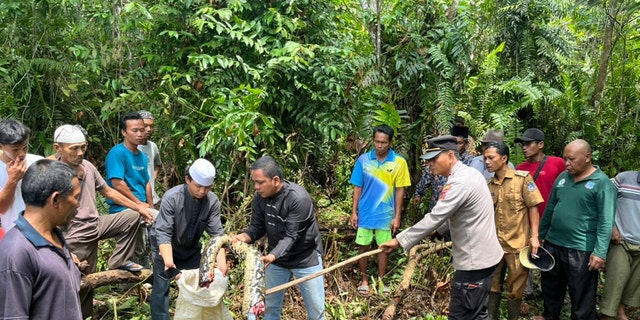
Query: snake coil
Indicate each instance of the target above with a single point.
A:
(254, 285)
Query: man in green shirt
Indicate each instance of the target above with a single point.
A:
(576, 228)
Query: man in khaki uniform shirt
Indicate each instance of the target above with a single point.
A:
(515, 199)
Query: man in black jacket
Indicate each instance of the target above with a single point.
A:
(284, 212)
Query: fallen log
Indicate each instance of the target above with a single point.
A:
(103, 278)
(414, 257)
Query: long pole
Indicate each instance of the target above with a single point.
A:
(323, 271)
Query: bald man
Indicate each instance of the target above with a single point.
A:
(576, 228)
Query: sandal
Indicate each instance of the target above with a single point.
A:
(131, 267)
(386, 290)
(363, 290)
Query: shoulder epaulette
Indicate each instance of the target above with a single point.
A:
(522, 173)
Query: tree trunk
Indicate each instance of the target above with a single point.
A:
(453, 9)
(607, 47)
(374, 6)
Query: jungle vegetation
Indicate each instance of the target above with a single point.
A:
(305, 81)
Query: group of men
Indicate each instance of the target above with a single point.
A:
(49, 212)
(77, 235)
(492, 211)
(564, 206)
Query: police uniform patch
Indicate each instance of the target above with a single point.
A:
(590, 185)
(443, 193)
(531, 187)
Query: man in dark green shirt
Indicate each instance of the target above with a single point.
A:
(576, 228)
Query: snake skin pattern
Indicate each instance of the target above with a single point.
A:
(254, 286)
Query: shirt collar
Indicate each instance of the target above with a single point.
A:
(390, 157)
(507, 175)
(32, 235)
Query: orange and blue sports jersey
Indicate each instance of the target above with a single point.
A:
(378, 181)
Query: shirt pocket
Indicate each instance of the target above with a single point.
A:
(514, 201)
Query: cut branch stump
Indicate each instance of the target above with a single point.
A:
(414, 257)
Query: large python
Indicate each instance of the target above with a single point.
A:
(254, 286)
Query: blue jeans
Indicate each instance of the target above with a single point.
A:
(312, 290)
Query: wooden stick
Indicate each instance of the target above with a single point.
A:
(323, 271)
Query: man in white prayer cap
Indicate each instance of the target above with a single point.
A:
(186, 212)
(88, 227)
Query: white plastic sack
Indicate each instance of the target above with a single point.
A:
(196, 303)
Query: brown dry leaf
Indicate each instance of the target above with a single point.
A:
(441, 284)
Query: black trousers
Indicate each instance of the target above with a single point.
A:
(470, 294)
(571, 271)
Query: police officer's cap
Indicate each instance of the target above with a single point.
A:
(439, 144)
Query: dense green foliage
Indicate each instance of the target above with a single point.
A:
(232, 80)
(306, 80)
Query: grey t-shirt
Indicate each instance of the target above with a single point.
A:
(153, 159)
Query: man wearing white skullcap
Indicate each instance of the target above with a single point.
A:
(14, 161)
(88, 227)
(186, 212)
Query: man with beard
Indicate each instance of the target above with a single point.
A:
(38, 276)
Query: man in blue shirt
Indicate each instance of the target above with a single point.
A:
(126, 168)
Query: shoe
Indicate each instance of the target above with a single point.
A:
(363, 290)
(131, 267)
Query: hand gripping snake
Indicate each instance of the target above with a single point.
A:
(254, 286)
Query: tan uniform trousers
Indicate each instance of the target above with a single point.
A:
(516, 277)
